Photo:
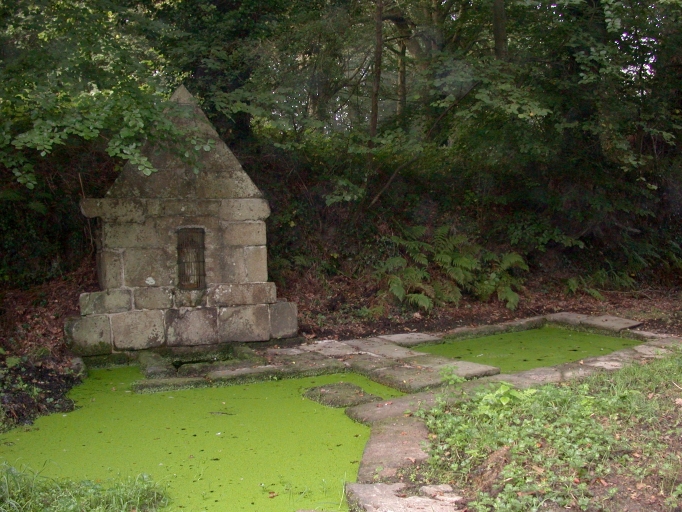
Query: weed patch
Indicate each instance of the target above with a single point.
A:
(590, 445)
(26, 491)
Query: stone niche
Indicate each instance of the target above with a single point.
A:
(182, 257)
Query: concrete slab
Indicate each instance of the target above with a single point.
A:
(390, 498)
(381, 347)
(610, 323)
(330, 348)
(394, 408)
(410, 339)
(393, 444)
(364, 364)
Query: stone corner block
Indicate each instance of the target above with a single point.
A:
(244, 323)
(138, 330)
(110, 268)
(88, 335)
(283, 320)
(244, 209)
(108, 301)
(192, 326)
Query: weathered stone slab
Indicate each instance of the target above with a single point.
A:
(244, 233)
(154, 366)
(566, 318)
(390, 498)
(137, 330)
(366, 363)
(192, 326)
(651, 352)
(429, 361)
(189, 298)
(241, 294)
(244, 323)
(123, 236)
(307, 364)
(606, 364)
(157, 385)
(462, 333)
(244, 209)
(240, 374)
(610, 323)
(411, 378)
(529, 378)
(381, 348)
(571, 371)
(110, 268)
(613, 361)
(153, 297)
(149, 267)
(256, 263)
(283, 319)
(393, 444)
(394, 408)
(230, 265)
(203, 369)
(88, 335)
(341, 394)
(410, 339)
(181, 207)
(108, 301)
(330, 348)
(668, 342)
(120, 210)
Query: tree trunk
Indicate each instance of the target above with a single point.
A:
(402, 84)
(500, 30)
(378, 48)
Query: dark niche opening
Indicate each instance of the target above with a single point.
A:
(191, 274)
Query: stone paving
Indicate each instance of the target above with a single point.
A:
(397, 439)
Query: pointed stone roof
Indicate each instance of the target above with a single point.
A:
(220, 174)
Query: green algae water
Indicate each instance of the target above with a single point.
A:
(256, 447)
(525, 350)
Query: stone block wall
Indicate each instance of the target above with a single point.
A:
(142, 303)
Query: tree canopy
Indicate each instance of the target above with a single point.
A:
(526, 125)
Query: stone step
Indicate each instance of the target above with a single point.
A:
(380, 497)
(393, 444)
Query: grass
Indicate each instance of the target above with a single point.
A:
(585, 445)
(26, 491)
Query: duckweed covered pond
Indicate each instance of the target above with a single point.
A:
(525, 350)
(254, 447)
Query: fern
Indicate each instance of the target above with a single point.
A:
(509, 296)
(420, 300)
(424, 274)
